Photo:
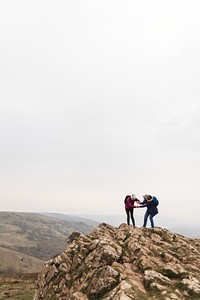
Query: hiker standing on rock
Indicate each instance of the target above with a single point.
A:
(151, 204)
(129, 206)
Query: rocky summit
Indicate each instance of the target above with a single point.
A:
(122, 264)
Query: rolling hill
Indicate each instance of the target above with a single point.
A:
(12, 262)
(37, 235)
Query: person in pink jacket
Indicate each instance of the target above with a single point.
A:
(129, 207)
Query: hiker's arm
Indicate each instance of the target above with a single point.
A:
(137, 200)
(143, 204)
(133, 206)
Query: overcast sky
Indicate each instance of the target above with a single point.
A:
(99, 99)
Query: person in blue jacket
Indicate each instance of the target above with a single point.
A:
(151, 209)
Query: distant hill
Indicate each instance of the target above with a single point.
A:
(86, 223)
(12, 262)
(37, 235)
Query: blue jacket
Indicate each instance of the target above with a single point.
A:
(151, 208)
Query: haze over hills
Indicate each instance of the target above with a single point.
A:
(189, 228)
(86, 222)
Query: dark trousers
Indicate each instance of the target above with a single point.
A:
(129, 213)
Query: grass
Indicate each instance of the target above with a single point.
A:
(18, 287)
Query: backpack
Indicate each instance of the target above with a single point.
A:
(126, 198)
(155, 201)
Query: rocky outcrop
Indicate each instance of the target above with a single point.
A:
(122, 264)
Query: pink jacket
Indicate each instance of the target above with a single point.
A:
(129, 204)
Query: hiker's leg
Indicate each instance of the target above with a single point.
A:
(132, 218)
(151, 221)
(145, 218)
(127, 214)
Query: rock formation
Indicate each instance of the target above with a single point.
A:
(122, 264)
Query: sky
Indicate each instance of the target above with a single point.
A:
(99, 99)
